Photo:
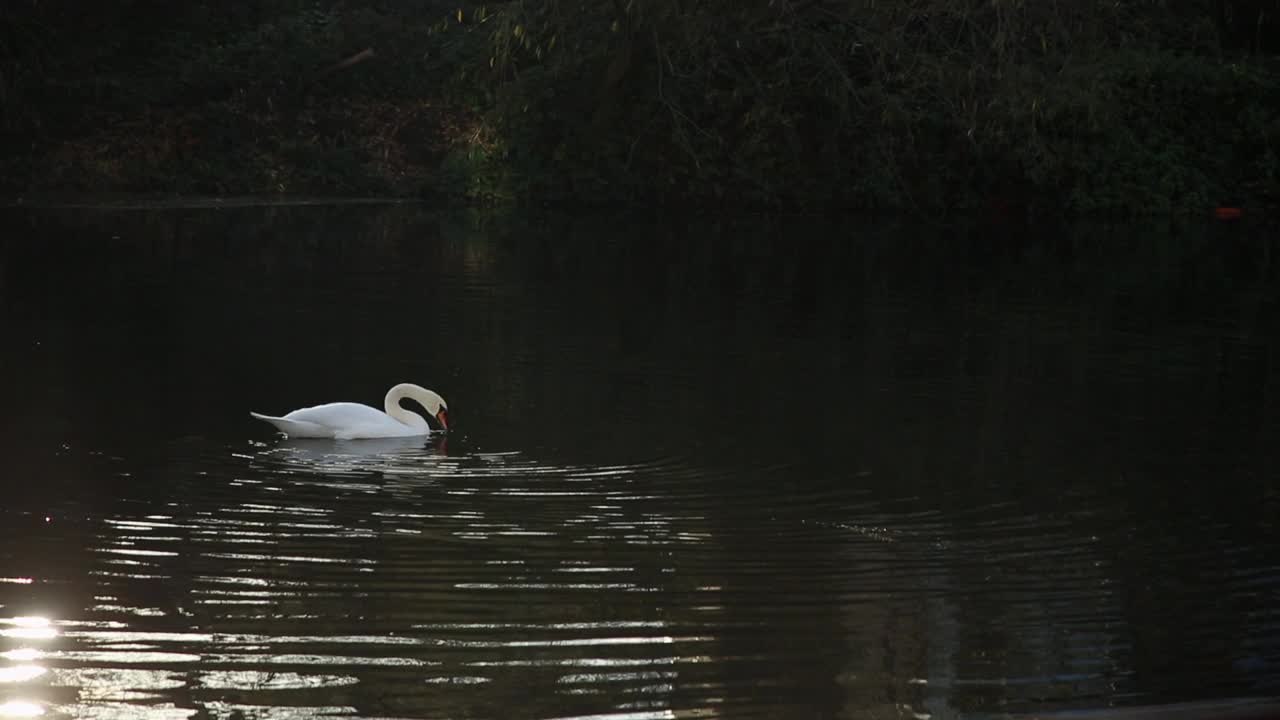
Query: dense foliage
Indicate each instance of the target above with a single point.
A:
(1143, 106)
(143, 95)
(938, 103)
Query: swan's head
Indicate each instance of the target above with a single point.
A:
(437, 407)
(434, 404)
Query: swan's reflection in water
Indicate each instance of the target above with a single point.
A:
(321, 453)
(325, 460)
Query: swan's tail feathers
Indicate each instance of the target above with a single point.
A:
(295, 428)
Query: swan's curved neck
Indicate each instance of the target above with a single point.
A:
(392, 407)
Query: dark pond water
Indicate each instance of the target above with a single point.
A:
(759, 469)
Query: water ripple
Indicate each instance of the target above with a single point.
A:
(317, 571)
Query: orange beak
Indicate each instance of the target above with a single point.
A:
(443, 417)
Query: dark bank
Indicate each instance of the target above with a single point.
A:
(1009, 107)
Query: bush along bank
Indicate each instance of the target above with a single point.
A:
(805, 104)
(1086, 107)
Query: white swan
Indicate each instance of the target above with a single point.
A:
(353, 421)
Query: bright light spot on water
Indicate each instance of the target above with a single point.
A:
(576, 678)
(29, 627)
(17, 580)
(223, 709)
(457, 680)
(260, 680)
(143, 553)
(131, 656)
(663, 640)
(642, 715)
(20, 709)
(21, 655)
(21, 673)
(30, 633)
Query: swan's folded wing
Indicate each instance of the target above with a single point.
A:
(352, 421)
(343, 421)
(296, 428)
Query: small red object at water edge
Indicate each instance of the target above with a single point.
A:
(1227, 213)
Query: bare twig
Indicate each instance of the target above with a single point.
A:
(359, 57)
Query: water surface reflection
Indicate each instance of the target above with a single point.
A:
(903, 473)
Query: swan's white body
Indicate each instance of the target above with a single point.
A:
(353, 421)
